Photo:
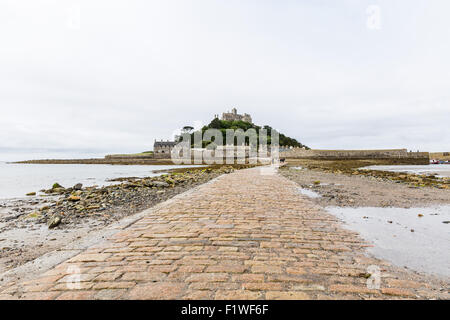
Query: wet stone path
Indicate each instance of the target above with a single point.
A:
(245, 235)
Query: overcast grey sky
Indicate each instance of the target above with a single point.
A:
(93, 77)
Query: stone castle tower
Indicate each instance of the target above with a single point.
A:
(234, 116)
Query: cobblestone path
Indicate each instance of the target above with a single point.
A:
(245, 235)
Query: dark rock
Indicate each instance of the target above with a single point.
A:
(54, 222)
(365, 275)
(132, 185)
(56, 185)
(161, 184)
(148, 184)
(78, 186)
(58, 190)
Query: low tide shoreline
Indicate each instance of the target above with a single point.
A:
(369, 189)
(406, 220)
(24, 232)
(24, 223)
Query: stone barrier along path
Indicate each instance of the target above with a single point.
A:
(245, 235)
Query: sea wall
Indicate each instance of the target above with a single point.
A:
(440, 155)
(394, 154)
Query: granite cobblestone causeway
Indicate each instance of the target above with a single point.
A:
(245, 235)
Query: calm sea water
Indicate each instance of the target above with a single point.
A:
(16, 180)
(440, 170)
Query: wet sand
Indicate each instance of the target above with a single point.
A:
(345, 190)
(407, 225)
(417, 238)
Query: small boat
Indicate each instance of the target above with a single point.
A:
(433, 161)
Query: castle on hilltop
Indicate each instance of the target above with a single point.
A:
(162, 149)
(234, 116)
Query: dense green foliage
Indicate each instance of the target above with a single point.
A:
(223, 125)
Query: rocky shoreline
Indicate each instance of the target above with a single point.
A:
(32, 227)
(355, 168)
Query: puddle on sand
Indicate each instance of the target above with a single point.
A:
(404, 238)
(308, 193)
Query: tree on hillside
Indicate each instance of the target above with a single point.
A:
(215, 124)
(187, 129)
(223, 125)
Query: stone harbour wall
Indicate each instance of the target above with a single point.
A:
(403, 154)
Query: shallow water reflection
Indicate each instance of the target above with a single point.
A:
(440, 170)
(417, 238)
(309, 193)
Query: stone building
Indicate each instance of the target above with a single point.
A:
(163, 147)
(234, 116)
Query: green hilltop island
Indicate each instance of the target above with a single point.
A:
(229, 120)
(289, 148)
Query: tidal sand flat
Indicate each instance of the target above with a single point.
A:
(418, 238)
(354, 190)
(408, 225)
